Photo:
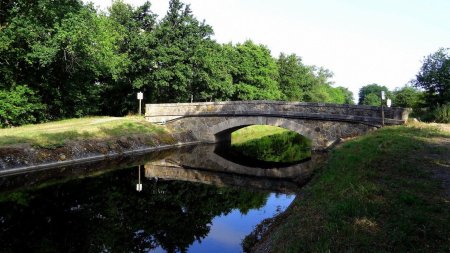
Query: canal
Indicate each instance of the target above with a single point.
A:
(203, 198)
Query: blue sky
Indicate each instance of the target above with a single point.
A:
(362, 42)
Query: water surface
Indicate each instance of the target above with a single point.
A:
(192, 200)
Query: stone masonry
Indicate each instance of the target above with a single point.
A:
(324, 124)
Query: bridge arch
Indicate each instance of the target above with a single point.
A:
(213, 129)
(324, 124)
(222, 131)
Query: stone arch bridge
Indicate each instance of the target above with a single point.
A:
(323, 123)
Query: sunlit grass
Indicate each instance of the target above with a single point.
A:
(254, 132)
(271, 144)
(58, 132)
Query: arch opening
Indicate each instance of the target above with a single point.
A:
(267, 143)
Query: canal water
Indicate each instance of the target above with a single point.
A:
(192, 199)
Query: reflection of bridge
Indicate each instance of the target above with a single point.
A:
(202, 164)
(322, 123)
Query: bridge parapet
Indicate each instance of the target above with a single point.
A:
(324, 124)
(320, 111)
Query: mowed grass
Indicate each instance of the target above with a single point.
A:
(254, 132)
(377, 193)
(59, 132)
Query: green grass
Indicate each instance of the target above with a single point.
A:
(57, 133)
(272, 144)
(254, 132)
(375, 194)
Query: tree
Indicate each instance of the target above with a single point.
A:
(346, 96)
(5, 11)
(178, 37)
(375, 90)
(407, 96)
(337, 95)
(320, 88)
(255, 75)
(138, 43)
(319, 93)
(212, 78)
(76, 61)
(24, 26)
(292, 77)
(300, 82)
(372, 99)
(87, 52)
(434, 78)
(60, 50)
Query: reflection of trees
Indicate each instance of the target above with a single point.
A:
(107, 214)
(282, 147)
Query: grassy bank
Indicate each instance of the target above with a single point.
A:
(377, 193)
(59, 132)
(271, 144)
(251, 133)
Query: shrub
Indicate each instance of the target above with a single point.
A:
(441, 113)
(20, 105)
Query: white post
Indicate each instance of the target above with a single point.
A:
(382, 108)
(140, 96)
(139, 184)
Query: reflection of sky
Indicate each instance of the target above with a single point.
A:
(228, 231)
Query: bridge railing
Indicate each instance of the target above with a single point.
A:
(322, 111)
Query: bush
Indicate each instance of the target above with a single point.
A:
(440, 114)
(20, 105)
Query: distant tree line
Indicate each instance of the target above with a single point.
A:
(428, 95)
(63, 59)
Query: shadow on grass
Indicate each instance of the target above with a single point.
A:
(54, 140)
(11, 140)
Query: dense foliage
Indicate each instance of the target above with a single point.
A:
(434, 78)
(408, 97)
(284, 147)
(371, 94)
(72, 60)
(19, 105)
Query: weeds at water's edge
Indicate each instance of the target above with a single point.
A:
(375, 194)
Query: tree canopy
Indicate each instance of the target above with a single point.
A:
(434, 77)
(371, 94)
(408, 96)
(62, 59)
